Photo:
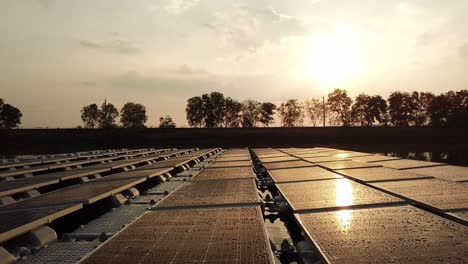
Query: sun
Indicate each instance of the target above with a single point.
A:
(335, 59)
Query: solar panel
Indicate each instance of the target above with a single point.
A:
(302, 174)
(449, 172)
(347, 164)
(209, 193)
(214, 235)
(287, 164)
(401, 234)
(330, 194)
(407, 164)
(225, 173)
(380, 174)
(444, 195)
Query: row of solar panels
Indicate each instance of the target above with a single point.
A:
(215, 217)
(25, 215)
(354, 210)
(89, 167)
(39, 161)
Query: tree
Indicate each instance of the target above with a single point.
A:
(458, 116)
(250, 113)
(339, 103)
(10, 116)
(90, 115)
(213, 109)
(367, 110)
(378, 108)
(403, 109)
(360, 111)
(194, 111)
(166, 122)
(232, 116)
(439, 109)
(133, 115)
(107, 115)
(267, 111)
(291, 113)
(421, 103)
(314, 109)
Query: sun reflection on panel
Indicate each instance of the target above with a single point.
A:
(344, 197)
(344, 218)
(342, 155)
(344, 193)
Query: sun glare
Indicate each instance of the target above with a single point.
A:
(335, 59)
(344, 197)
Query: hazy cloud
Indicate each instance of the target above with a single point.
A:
(424, 39)
(46, 3)
(464, 51)
(249, 28)
(185, 69)
(164, 84)
(175, 7)
(115, 46)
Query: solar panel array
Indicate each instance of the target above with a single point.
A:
(353, 207)
(215, 218)
(25, 215)
(356, 207)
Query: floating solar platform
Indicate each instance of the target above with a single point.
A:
(17, 221)
(216, 216)
(39, 161)
(403, 164)
(347, 164)
(23, 185)
(212, 193)
(122, 163)
(30, 183)
(333, 194)
(22, 171)
(113, 221)
(302, 174)
(448, 172)
(440, 194)
(147, 199)
(209, 235)
(79, 162)
(287, 164)
(165, 187)
(61, 252)
(381, 174)
(400, 234)
(225, 173)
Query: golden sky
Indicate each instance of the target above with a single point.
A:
(57, 56)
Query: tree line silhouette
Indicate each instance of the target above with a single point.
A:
(132, 115)
(400, 109)
(214, 110)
